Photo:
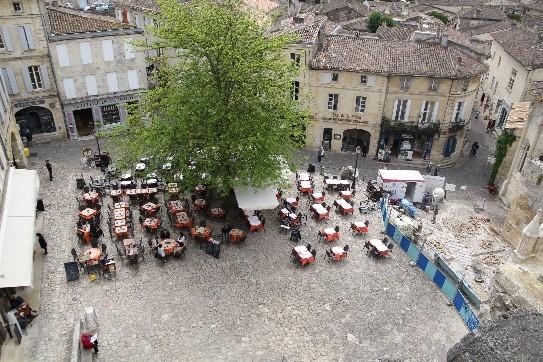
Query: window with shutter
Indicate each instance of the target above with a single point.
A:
(133, 82)
(90, 81)
(427, 112)
(335, 77)
(400, 110)
(434, 83)
(112, 83)
(295, 90)
(6, 37)
(129, 49)
(9, 80)
(69, 88)
(333, 101)
(2, 45)
(107, 50)
(295, 58)
(85, 51)
(35, 77)
(364, 79)
(360, 105)
(405, 83)
(63, 56)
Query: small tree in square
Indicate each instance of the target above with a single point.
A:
(226, 108)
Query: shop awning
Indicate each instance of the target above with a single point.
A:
(17, 230)
(250, 198)
(400, 176)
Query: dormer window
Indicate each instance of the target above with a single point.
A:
(405, 83)
(434, 84)
(17, 7)
(335, 77)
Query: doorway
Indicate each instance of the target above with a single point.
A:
(503, 117)
(410, 191)
(84, 122)
(37, 119)
(327, 138)
(353, 138)
(450, 146)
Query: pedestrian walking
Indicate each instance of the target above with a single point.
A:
(436, 210)
(28, 136)
(436, 171)
(474, 148)
(49, 169)
(490, 125)
(320, 155)
(364, 149)
(429, 167)
(42, 242)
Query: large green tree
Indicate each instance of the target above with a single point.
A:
(226, 108)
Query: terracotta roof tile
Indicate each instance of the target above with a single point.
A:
(306, 30)
(67, 21)
(486, 29)
(142, 5)
(350, 53)
(450, 2)
(395, 33)
(487, 12)
(522, 44)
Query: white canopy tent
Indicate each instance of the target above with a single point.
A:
(17, 230)
(250, 198)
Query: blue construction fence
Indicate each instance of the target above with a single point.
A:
(448, 286)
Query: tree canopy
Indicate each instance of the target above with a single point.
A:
(225, 108)
(376, 19)
(436, 14)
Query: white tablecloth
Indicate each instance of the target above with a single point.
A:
(344, 204)
(254, 220)
(329, 231)
(337, 250)
(319, 209)
(140, 167)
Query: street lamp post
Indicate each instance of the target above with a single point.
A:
(358, 150)
(97, 143)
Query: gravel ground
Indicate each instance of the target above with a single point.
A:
(251, 304)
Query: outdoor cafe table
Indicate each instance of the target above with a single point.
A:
(304, 176)
(175, 206)
(200, 188)
(199, 204)
(172, 185)
(201, 232)
(92, 197)
(318, 197)
(216, 212)
(120, 214)
(320, 211)
(116, 193)
(359, 227)
(254, 223)
(168, 245)
(337, 184)
(130, 247)
(85, 233)
(339, 253)
(121, 205)
(292, 201)
(149, 208)
(182, 220)
(305, 187)
(379, 246)
(346, 195)
(91, 255)
(151, 223)
(87, 213)
(344, 206)
(236, 235)
(330, 234)
(305, 256)
(126, 177)
(121, 231)
(117, 223)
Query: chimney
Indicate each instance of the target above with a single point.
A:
(444, 40)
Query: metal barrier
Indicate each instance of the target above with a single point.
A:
(448, 286)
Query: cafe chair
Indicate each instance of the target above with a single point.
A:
(314, 253)
(367, 245)
(346, 248)
(328, 255)
(308, 247)
(390, 246)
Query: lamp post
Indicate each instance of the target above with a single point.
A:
(358, 150)
(97, 143)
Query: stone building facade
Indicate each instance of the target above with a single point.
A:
(522, 191)
(26, 68)
(97, 68)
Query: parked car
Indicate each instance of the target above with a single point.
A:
(100, 6)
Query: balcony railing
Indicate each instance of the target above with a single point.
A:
(457, 126)
(431, 127)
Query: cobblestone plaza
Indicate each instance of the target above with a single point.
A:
(251, 304)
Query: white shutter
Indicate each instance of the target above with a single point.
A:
(129, 49)
(6, 37)
(462, 110)
(147, 21)
(22, 37)
(407, 109)
(370, 80)
(454, 112)
(92, 89)
(29, 37)
(119, 14)
(138, 21)
(394, 109)
(422, 111)
(69, 88)
(133, 82)
(63, 56)
(326, 77)
(26, 79)
(10, 80)
(86, 55)
(107, 50)
(434, 112)
(112, 83)
(45, 76)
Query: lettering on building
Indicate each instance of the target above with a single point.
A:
(28, 103)
(103, 102)
(345, 117)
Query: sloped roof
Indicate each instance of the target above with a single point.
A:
(523, 45)
(307, 30)
(142, 5)
(348, 53)
(450, 2)
(67, 21)
(490, 28)
(395, 33)
(486, 12)
(518, 115)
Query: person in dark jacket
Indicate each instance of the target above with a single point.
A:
(49, 169)
(42, 242)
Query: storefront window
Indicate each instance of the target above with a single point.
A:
(110, 114)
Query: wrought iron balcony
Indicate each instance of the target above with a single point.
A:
(457, 126)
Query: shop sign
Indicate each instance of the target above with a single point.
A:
(28, 103)
(103, 102)
(345, 117)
